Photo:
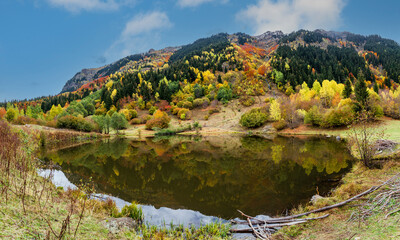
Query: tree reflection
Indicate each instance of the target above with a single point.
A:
(215, 176)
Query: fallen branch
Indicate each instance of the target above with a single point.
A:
(273, 227)
(268, 226)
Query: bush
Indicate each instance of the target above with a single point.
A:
(185, 104)
(11, 114)
(201, 102)
(175, 110)
(247, 101)
(52, 123)
(159, 120)
(75, 123)
(152, 110)
(128, 113)
(254, 118)
(313, 116)
(132, 211)
(135, 121)
(184, 114)
(3, 112)
(338, 117)
(279, 125)
(224, 94)
(22, 120)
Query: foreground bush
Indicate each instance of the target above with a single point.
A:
(313, 116)
(184, 114)
(160, 120)
(75, 123)
(338, 117)
(254, 118)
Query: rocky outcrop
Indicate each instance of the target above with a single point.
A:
(81, 78)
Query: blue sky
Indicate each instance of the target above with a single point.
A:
(43, 43)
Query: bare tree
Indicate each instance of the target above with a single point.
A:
(363, 135)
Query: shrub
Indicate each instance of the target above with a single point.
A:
(184, 114)
(185, 104)
(132, 211)
(224, 94)
(136, 121)
(2, 113)
(148, 105)
(313, 116)
(247, 101)
(75, 123)
(22, 120)
(52, 123)
(338, 117)
(159, 120)
(11, 114)
(145, 117)
(152, 110)
(128, 113)
(254, 118)
(201, 102)
(279, 125)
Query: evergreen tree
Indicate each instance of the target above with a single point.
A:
(376, 88)
(347, 89)
(361, 90)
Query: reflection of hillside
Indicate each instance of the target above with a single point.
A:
(214, 176)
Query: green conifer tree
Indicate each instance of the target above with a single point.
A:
(347, 89)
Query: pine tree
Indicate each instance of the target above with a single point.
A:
(376, 88)
(347, 89)
(361, 90)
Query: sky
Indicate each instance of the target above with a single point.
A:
(44, 43)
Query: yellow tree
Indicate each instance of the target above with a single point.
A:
(275, 111)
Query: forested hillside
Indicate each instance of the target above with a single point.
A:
(339, 73)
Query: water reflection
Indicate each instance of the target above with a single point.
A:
(212, 175)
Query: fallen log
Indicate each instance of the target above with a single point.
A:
(282, 219)
(273, 227)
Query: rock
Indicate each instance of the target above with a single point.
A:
(315, 198)
(116, 225)
(338, 138)
(268, 129)
(381, 145)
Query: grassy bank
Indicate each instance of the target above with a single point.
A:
(390, 126)
(340, 224)
(33, 208)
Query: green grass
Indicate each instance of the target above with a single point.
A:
(390, 127)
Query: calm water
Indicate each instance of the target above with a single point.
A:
(214, 176)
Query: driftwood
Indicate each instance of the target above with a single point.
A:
(264, 228)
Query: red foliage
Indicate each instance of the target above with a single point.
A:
(163, 106)
(250, 49)
(262, 70)
(2, 113)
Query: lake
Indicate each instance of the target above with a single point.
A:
(201, 178)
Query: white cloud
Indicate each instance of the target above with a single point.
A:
(140, 34)
(194, 3)
(90, 5)
(291, 15)
(144, 23)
